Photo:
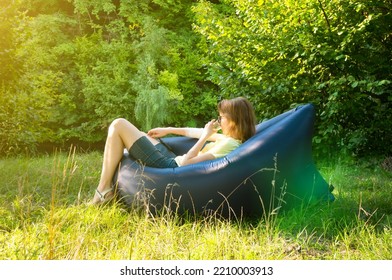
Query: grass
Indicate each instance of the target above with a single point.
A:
(44, 215)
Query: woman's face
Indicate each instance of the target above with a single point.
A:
(224, 123)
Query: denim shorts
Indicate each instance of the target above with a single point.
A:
(151, 155)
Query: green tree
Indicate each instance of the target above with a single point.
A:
(9, 18)
(78, 64)
(29, 90)
(335, 54)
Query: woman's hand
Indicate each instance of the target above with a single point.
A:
(158, 132)
(210, 128)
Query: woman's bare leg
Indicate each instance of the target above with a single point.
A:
(122, 134)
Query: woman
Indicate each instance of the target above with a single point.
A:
(236, 120)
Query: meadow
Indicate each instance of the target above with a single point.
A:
(44, 214)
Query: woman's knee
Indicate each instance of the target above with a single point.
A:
(125, 129)
(118, 124)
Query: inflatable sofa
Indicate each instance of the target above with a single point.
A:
(272, 170)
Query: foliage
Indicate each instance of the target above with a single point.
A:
(335, 54)
(155, 85)
(99, 88)
(26, 92)
(82, 63)
(69, 67)
(9, 19)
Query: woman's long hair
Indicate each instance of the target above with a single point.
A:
(241, 116)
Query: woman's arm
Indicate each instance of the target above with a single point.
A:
(193, 154)
(183, 131)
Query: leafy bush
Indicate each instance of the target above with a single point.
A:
(335, 54)
(70, 67)
(84, 62)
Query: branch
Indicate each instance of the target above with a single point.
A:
(325, 15)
